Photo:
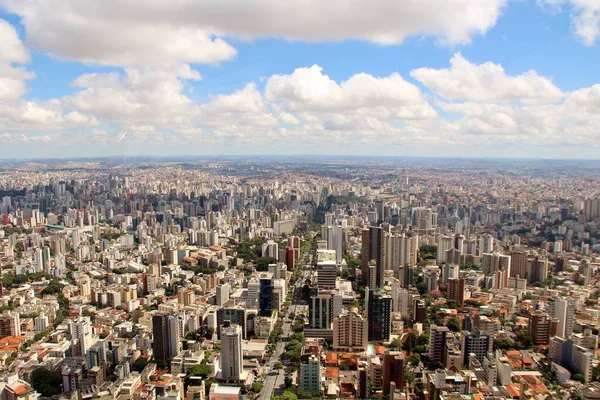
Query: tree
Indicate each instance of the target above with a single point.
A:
(454, 324)
(262, 263)
(46, 381)
(201, 370)
(287, 395)
(140, 364)
(257, 387)
(578, 378)
(453, 304)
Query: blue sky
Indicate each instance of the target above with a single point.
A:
(98, 80)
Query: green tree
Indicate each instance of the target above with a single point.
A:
(47, 382)
(578, 378)
(454, 324)
(201, 370)
(140, 364)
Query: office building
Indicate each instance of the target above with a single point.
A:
(265, 299)
(379, 314)
(165, 333)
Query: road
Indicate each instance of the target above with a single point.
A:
(274, 381)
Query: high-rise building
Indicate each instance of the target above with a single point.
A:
(494, 262)
(393, 371)
(456, 291)
(10, 324)
(373, 248)
(563, 310)
(445, 243)
(326, 274)
(265, 299)
(80, 330)
(379, 311)
(165, 337)
(437, 343)
(398, 254)
(541, 327)
(310, 374)
(518, 263)
(320, 311)
(252, 293)
(231, 352)
(222, 294)
(350, 332)
(335, 236)
(235, 316)
(571, 356)
(478, 343)
(41, 322)
(537, 270)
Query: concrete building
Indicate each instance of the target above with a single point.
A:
(350, 332)
(231, 352)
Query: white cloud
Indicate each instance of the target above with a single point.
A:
(486, 82)
(145, 95)
(308, 89)
(114, 32)
(585, 16)
(12, 50)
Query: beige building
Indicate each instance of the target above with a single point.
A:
(350, 332)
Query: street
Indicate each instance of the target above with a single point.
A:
(274, 381)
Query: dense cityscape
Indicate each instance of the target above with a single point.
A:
(299, 278)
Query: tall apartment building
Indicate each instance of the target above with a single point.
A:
(10, 324)
(445, 243)
(518, 263)
(373, 248)
(563, 310)
(437, 343)
(541, 327)
(576, 358)
(231, 352)
(393, 371)
(456, 290)
(493, 262)
(310, 374)
(537, 270)
(478, 343)
(350, 332)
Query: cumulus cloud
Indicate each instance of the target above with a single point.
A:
(308, 89)
(486, 82)
(12, 51)
(585, 17)
(137, 95)
(114, 32)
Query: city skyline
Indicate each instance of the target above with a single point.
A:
(459, 79)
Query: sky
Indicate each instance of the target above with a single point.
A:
(447, 78)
